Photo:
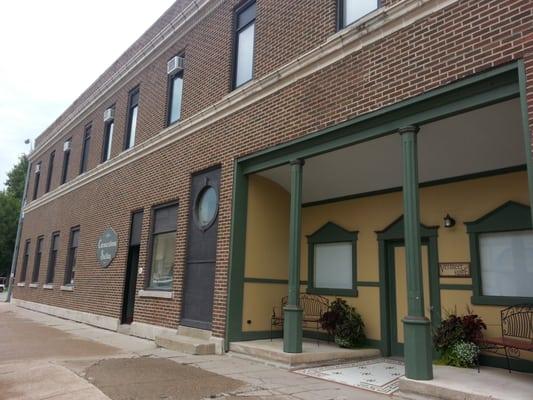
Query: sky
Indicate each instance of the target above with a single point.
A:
(50, 52)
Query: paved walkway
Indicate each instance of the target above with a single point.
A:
(44, 357)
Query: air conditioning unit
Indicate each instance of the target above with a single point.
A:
(109, 115)
(66, 146)
(175, 64)
(38, 168)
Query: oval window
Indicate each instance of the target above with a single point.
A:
(206, 207)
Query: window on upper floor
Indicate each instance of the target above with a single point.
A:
(244, 44)
(66, 160)
(350, 11)
(37, 262)
(133, 111)
(163, 245)
(174, 97)
(52, 260)
(85, 149)
(72, 256)
(109, 129)
(36, 180)
(50, 170)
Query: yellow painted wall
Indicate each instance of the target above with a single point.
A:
(268, 227)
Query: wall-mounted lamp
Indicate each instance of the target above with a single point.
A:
(448, 221)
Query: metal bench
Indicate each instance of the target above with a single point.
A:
(313, 306)
(516, 332)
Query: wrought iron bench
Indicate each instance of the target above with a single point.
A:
(313, 306)
(517, 332)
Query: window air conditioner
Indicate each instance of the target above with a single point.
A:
(175, 64)
(109, 115)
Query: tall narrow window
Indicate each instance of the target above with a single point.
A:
(52, 260)
(244, 44)
(163, 244)
(50, 170)
(66, 159)
(25, 260)
(37, 262)
(37, 179)
(108, 140)
(133, 111)
(86, 147)
(352, 10)
(72, 256)
(176, 90)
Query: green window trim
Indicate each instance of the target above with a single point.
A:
(511, 216)
(331, 233)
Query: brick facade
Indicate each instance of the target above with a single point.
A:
(465, 38)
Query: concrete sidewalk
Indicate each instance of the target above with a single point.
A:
(44, 357)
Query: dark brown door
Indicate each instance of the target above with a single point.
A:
(130, 284)
(201, 252)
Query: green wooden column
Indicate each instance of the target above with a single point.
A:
(417, 331)
(292, 328)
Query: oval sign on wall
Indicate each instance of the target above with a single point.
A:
(106, 248)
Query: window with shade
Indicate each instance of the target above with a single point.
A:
(66, 160)
(37, 180)
(108, 140)
(332, 258)
(174, 98)
(50, 172)
(163, 245)
(349, 11)
(85, 149)
(133, 112)
(25, 260)
(501, 250)
(52, 261)
(72, 257)
(38, 257)
(244, 44)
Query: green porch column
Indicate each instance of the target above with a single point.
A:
(417, 332)
(292, 328)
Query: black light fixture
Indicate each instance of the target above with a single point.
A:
(448, 221)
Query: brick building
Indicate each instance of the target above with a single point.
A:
(222, 161)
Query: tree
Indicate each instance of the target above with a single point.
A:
(10, 200)
(16, 178)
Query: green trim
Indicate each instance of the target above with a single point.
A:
(445, 286)
(331, 233)
(500, 362)
(368, 284)
(445, 181)
(471, 93)
(237, 256)
(510, 216)
(395, 231)
(524, 106)
(267, 281)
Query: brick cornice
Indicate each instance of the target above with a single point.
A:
(383, 22)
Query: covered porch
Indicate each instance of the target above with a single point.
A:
(359, 211)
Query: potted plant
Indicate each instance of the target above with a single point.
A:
(344, 323)
(457, 340)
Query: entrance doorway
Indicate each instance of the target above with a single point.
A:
(397, 282)
(132, 267)
(201, 252)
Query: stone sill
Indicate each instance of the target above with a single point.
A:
(158, 294)
(34, 285)
(21, 284)
(67, 288)
(48, 286)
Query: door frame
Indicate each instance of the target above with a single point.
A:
(392, 236)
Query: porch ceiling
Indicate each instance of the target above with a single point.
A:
(482, 140)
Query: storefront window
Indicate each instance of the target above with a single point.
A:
(332, 261)
(506, 260)
(163, 247)
(501, 251)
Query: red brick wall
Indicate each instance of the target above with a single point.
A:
(463, 39)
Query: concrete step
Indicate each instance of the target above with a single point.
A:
(186, 344)
(124, 329)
